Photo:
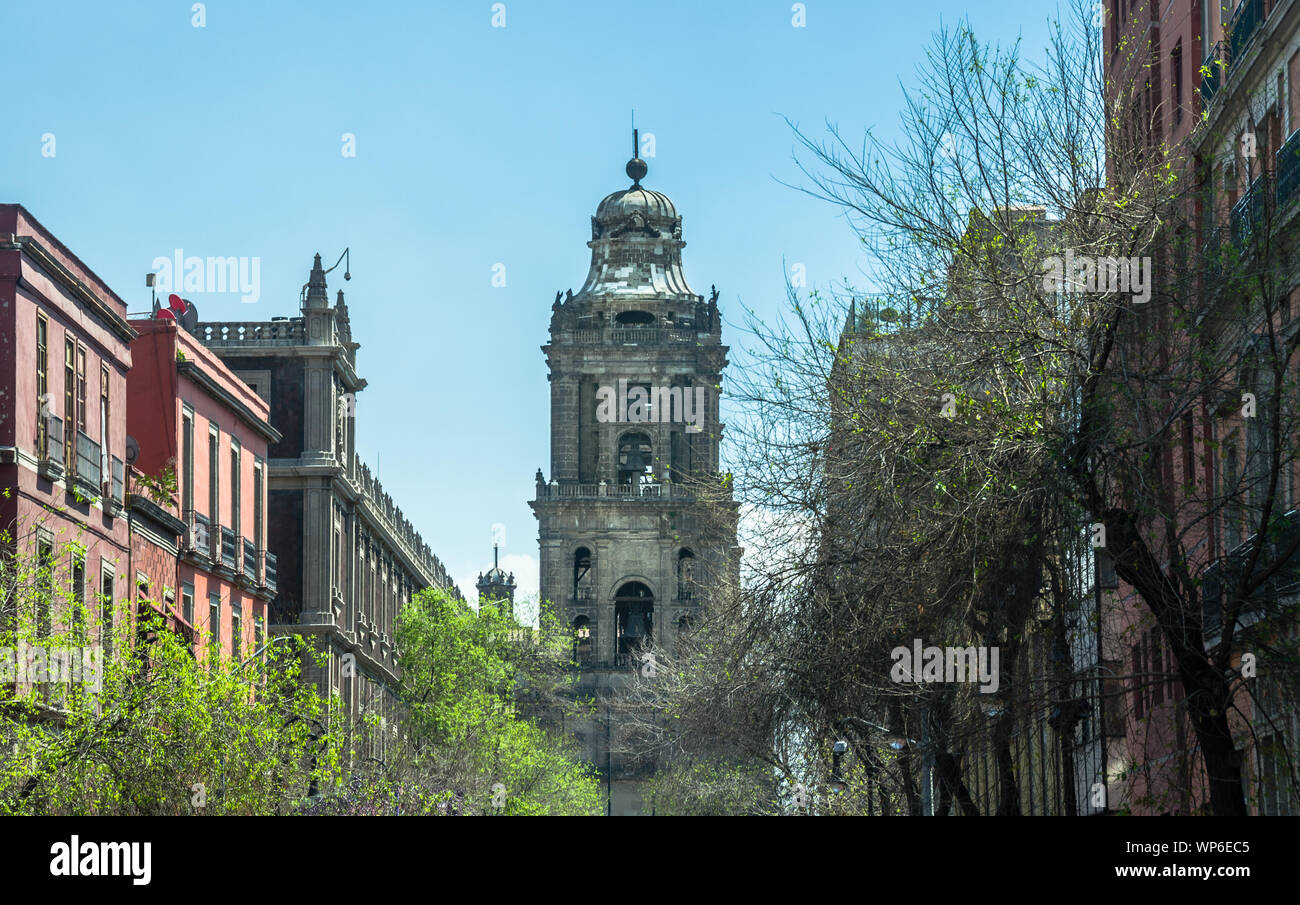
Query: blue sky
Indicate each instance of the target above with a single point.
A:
(475, 146)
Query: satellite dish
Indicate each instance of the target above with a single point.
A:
(132, 450)
(190, 319)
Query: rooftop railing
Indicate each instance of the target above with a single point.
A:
(614, 491)
(290, 332)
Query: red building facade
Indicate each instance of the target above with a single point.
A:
(1217, 83)
(188, 414)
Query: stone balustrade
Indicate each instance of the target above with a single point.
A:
(289, 332)
(634, 336)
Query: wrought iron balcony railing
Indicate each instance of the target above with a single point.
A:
(1245, 24)
(229, 559)
(1222, 577)
(118, 480)
(89, 471)
(250, 559)
(1250, 212)
(52, 456)
(270, 578)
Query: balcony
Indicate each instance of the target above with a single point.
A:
(1250, 212)
(1211, 75)
(1222, 577)
(89, 471)
(198, 538)
(250, 560)
(1245, 24)
(229, 557)
(1288, 170)
(116, 488)
(270, 577)
(635, 336)
(614, 491)
(51, 460)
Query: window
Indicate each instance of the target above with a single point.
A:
(214, 624)
(582, 642)
(634, 319)
(78, 619)
(1231, 497)
(234, 489)
(81, 389)
(187, 603)
(685, 575)
(103, 423)
(1139, 702)
(258, 503)
(44, 586)
(107, 607)
(1157, 665)
(582, 574)
(1176, 76)
(69, 408)
(187, 462)
(214, 481)
(634, 620)
(337, 572)
(681, 469)
(42, 385)
(236, 633)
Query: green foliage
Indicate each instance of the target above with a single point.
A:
(479, 687)
(707, 789)
(160, 488)
(146, 729)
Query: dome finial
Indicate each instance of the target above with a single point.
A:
(636, 167)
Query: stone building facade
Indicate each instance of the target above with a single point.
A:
(629, 553)
(348, 558)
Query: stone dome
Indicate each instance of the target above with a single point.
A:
(636, 200)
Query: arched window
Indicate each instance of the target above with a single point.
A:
(685, 575)
(634, 607)
(635, 460)
(582, 641)
(634, 318)
(582, 574)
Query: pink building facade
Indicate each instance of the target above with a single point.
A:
(64, 355)
(188, 414)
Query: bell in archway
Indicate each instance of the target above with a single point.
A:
(635, 627)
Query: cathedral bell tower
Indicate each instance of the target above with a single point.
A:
(629, 555)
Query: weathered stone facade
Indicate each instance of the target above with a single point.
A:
(348, 558)
(628, 553)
